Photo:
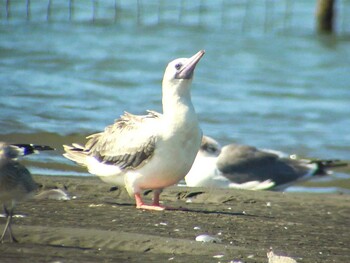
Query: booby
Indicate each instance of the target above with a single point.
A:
(151, 151)
(242, 166)
(16, 182)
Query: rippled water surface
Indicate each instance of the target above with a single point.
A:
(64, 80)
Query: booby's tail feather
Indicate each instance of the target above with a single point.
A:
(75, 153)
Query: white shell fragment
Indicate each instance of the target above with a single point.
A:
(207, 239)
(274, 258)
(53, 194)
(96, 205)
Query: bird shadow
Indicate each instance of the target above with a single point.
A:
(198, 211)
(218, 212)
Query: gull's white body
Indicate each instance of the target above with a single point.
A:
(205, 173)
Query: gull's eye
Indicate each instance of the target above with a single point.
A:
(211, 149)
(178, 66)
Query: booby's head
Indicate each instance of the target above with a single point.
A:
(180, 71)
(209, 147)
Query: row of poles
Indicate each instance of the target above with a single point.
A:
(324, 12)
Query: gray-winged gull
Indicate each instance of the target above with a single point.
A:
(152, 151)
(246, 167)
(16, 182)
(205, 172)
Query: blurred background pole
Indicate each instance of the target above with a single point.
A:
(325, 16)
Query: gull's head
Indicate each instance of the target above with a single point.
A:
(2, 150)
(8, 151)
(209, 147)
(180, 71)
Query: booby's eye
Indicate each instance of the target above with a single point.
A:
(178, 66)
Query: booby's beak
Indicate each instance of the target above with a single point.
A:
(186, 72)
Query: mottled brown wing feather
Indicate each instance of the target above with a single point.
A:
(128, 143)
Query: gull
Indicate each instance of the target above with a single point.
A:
(205, 171)
(16, 182)
(246, 167)
(151, 151)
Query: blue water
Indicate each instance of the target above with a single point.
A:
(282, 88)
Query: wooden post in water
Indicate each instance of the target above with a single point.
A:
(48, 11)
(181, 11)
(288, 15)
(116, 11)
(325, 15)
(94, 10)
(7, 9)
(71, 9)
(28, 10)
(138, 12)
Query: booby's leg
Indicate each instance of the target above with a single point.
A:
(141, 205)
(156, 194)
(9, 214)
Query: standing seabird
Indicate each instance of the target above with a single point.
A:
(243, 166)
(16, 182)
(152, 151)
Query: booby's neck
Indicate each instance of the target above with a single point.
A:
(177, 98)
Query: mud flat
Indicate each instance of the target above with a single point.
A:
(100, 224)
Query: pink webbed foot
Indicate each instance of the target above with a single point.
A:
(150, 207)
(155, 206)
(141, 205)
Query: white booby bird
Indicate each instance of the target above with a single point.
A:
(152, 151)
(242, 166)
(16, 182)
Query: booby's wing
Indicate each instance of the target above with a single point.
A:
(128, 143)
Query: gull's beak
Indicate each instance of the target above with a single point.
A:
(186, 71)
